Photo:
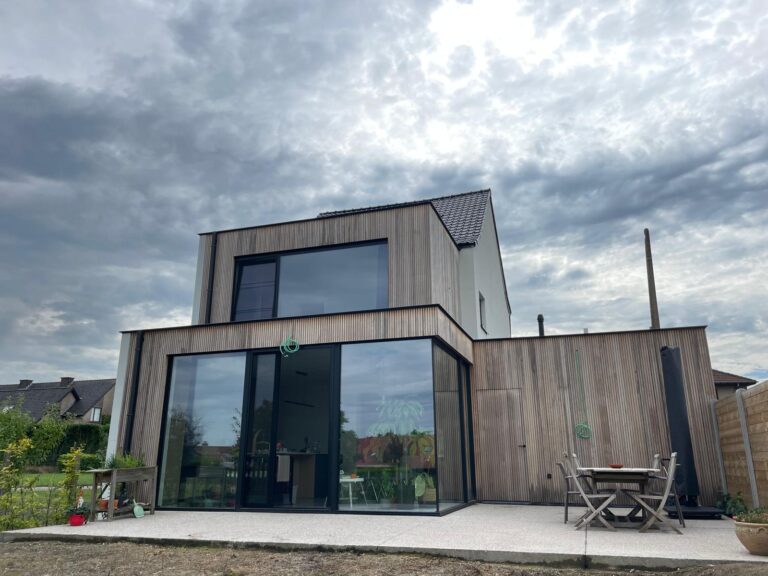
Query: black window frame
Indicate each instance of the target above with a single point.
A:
(241, 261)
(481, 304)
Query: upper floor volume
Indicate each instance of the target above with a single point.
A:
(438, 251)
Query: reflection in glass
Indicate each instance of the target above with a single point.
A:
(387, 438)
(301, 467)
(256, 291)
(259, 436)
(202, 431)
(337, 280)
(449, 431)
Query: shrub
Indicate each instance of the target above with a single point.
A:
(124, 461)
(732, 505)
(87, 461)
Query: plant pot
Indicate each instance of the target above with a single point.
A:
(77, 519)
(754, 537)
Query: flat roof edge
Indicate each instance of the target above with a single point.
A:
(582, 334)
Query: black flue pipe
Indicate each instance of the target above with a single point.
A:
(540, 318)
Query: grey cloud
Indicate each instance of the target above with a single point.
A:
(243, 113)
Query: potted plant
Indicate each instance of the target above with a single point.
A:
(752, 530)
(386, 491)
(78, 515)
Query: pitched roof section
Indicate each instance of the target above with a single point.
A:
(39, 395)
(462, 214)
(728, 378)
(90, 392)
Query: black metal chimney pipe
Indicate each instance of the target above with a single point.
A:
(540, 318)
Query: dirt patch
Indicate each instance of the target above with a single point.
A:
(53, 558)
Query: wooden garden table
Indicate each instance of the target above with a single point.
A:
(638, 476)
(113, 476)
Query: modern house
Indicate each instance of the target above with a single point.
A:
(726, 383)
(361, 361)
(82, 400)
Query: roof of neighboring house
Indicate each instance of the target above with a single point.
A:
(90, 392)
(728, 378)
(39, 395)
(462, 214)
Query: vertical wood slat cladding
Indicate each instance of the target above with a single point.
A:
(732, 442)
(622, 401)
(422, 258)
(349, 327)
(444, 259)
(499, 447)
(448, 432)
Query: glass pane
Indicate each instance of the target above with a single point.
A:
(202, 431)
(338, 280)
(301, 466)
(256, 292)
(448, 417)
(387, 438)
(259, 437)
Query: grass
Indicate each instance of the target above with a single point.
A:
(55, 478)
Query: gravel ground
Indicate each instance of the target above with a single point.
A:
(53, 558)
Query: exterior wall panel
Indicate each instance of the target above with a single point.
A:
(613, 382)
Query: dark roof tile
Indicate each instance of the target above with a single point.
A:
(40, 395)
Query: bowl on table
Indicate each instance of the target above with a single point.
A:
(616, 466)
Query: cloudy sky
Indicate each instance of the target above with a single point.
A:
(128, 127)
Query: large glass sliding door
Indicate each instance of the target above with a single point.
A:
(202, 431)
(448, 416)
(302, 443)
(387, 421)
(377, 426)
(257, 423)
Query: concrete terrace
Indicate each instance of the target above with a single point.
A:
(497, 533)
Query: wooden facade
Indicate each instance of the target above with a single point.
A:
(732, 445)
(423, 258)
(159, 345)
(530, 393)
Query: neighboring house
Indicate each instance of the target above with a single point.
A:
(362, 361)
(83, 400)
(726, 384)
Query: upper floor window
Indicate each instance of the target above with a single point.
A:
(318, 281)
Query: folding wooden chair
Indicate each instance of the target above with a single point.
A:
(664, 463)
(659, 500)
(595, 503)
(585, 477)
(568, 492)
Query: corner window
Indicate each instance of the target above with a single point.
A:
(482, 312)
(337, 279)
(96, 415)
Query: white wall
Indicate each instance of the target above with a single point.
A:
(117, 401)
(480, 270)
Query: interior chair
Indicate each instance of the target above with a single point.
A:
(595, 503)
(654, 503)
(568, 491)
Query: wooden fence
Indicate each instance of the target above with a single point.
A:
(742, 422)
